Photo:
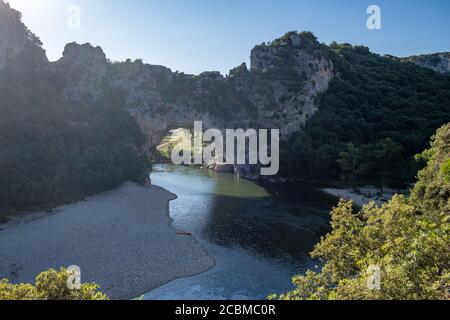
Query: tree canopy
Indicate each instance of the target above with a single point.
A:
(371, 98)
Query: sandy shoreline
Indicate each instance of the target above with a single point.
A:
(363, 196)
(121, 239)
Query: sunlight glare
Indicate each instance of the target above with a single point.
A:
(27, 4)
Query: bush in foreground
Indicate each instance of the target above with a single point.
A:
(50, 285)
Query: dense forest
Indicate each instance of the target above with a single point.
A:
(52, 152)
(378, 113)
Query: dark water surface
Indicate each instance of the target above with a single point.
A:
(258, 237)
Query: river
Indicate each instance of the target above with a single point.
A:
(259, 237)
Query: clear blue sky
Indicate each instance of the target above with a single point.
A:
(198, 35)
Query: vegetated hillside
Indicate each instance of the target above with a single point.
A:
(403, 243)
(52, 151)
(376, 115)
(277, 92)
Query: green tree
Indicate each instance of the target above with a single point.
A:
(407, 238)
(50, 285)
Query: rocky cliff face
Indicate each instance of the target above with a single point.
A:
(152, 93)
(278, 91)
(439, 62)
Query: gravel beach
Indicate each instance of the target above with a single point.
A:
(122, 240)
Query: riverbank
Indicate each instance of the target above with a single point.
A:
(363, 196)
(122, 239)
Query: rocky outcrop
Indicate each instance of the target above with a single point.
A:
(278, 91)
(439, 62)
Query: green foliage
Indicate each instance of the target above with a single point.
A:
(50, 285)
(309, 40)
(370, 99)
(284, 66)
(446, 170)
(408, 239)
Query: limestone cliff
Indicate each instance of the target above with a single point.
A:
(439, 62)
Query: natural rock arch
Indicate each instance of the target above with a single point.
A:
(278, 91)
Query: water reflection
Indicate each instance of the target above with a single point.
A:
(258, 239)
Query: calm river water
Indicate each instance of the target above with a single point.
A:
(259, 237)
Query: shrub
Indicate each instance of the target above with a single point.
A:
(446, 170)
(408, 239)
